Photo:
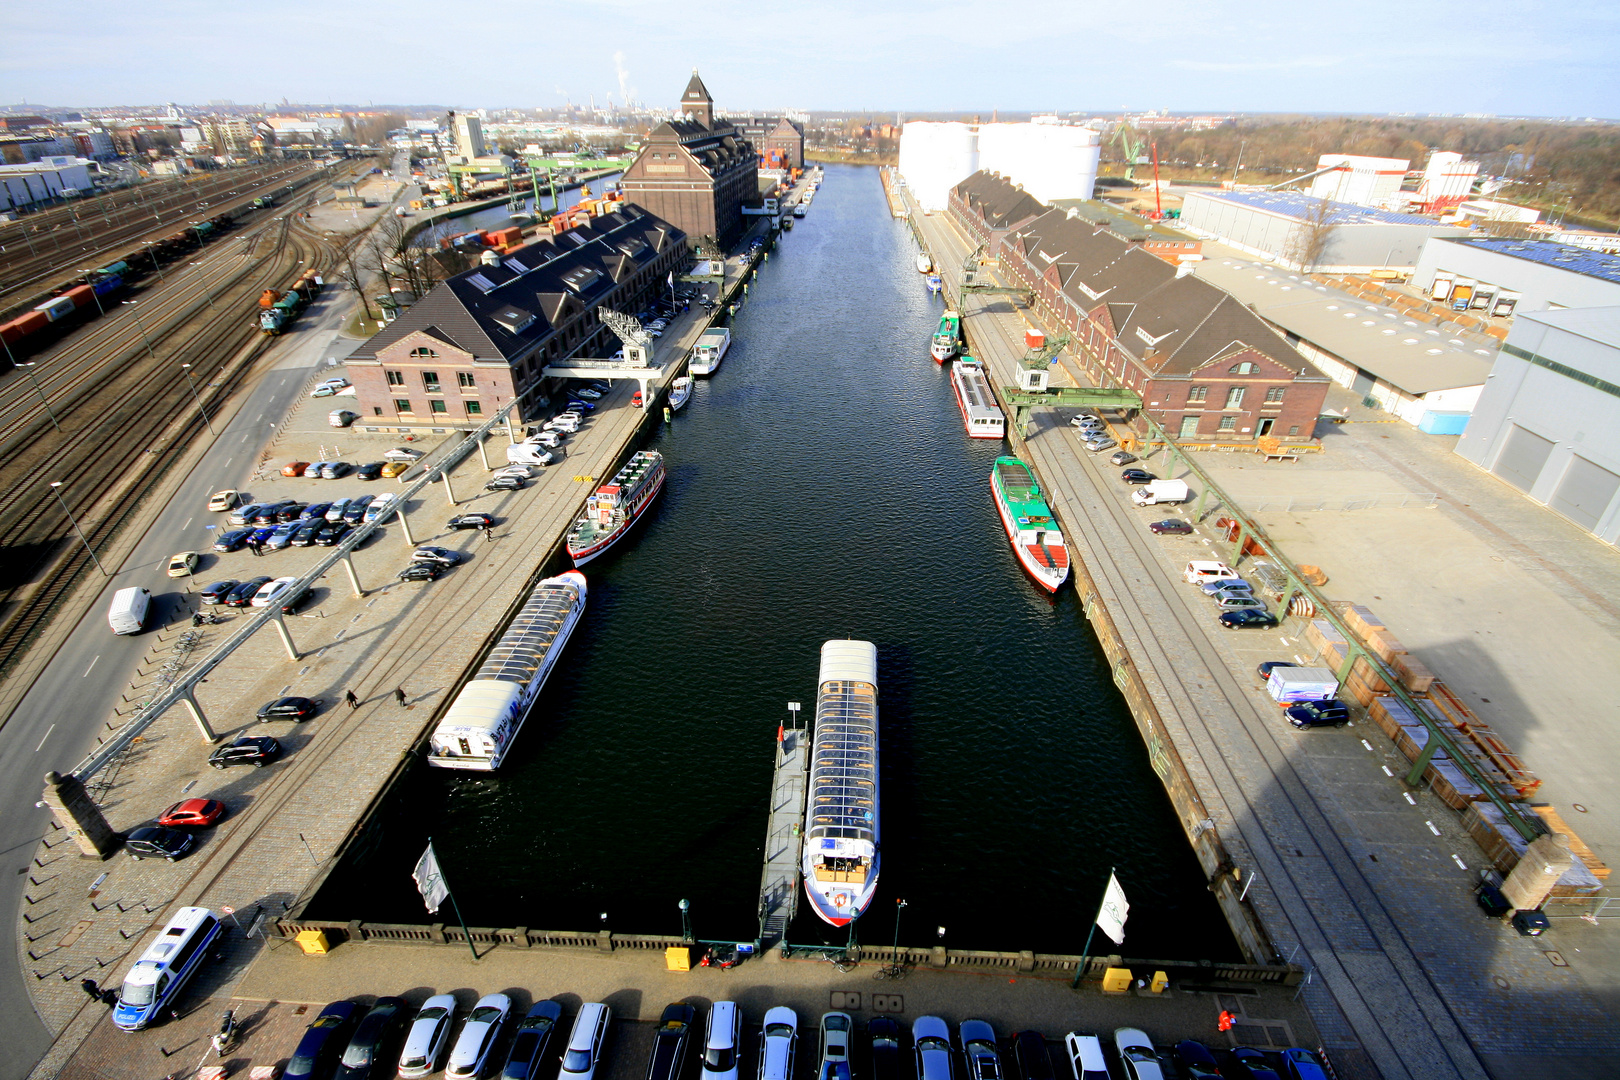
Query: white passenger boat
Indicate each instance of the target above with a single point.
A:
(840, 860)
(680, 391)
(924, 263)
(981, 416)
(480, 726)
(616, 506)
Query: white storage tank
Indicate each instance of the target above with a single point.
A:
(1047, 160)
(935, 157)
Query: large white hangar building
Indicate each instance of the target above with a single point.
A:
(1048, 160)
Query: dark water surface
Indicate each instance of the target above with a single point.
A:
(820, 486)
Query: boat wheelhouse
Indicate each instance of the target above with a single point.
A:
(1034, 533)
(616, 506)
(482, 723)
(981, 416)
(948, 338)
(840, 860)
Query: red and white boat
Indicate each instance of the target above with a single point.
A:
(616, 505)
(981, 416)
(1036, 537)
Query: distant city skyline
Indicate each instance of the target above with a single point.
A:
(1556, 60)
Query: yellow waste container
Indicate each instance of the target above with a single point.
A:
(313, 942)
(678, 958)
(1160, 983)
(1116, 980)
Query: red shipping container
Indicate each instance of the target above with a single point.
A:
(34, 320)
(10, 331)
(1035, 339)
(82, 296)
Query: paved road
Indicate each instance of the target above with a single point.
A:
(56, 724)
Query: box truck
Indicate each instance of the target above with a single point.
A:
(1161, 491)
(128, 612)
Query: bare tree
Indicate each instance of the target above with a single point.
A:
(1311, 237)
(357, 283)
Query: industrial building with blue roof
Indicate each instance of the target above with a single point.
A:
(1524, 275)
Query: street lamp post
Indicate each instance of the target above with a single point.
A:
(155, 264)
(894, 961)
(198, 398)
(39, 389)
(149, 351)
(206, 290)
(55, 485)
(686, 921)
(95, 295)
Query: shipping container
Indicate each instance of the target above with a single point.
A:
(108, 284)
(56, 307)
(1034, 339)
(82, 296)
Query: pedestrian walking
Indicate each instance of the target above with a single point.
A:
(489, 534)
(354, 702)
(90, 988)
(257, 550)
(399, 694)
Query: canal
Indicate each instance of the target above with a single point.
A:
(820, 486)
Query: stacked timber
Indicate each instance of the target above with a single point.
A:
(1504, 847)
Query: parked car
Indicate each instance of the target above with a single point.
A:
(336, 470)
(777, 1044)
(270, 513)
(722, 1042)
(979, 1050)
(283, 535)
(1137, 1054)
(294, 468)
(505, 483)
(1086, 423)
(1252, 1065)
(1226, 587)
(470, 521)
(1121, 457)
(308, 529)
(1171, 527)
(1097, 445)
(429, 1034)
(884, 1034)
(341, 417)
(314, 512)
(232, 539)
(270, 590)
(588, 394)
(192, 813)
(371, 470)
(391, 469)
(381, 506)
(323, 1041)
(1248, 618)
(260, 536)
(293, 599)
(335, 511)
(243, 594)
(217, 592)
(155, 842)
(836, 1029)
(581, 403)
(1203, 571)
(1196, 1060)
(336, 382)
(223, 500)
(530, 1041)
(288, 708)
(429, 553)
(332, 533)
(670, 1037)
(356, 509)
(1309, 714)
(1029, 1051)
(585, 1042)
(315, 469)
(1086, 1059)
(403, 453)
(1301, 1064)
(370, 1052)
(1266, 667)
(422, 571)
(1137, 476)
(244, 514)
(931, 1043)
(255, 750)
(548, 439)
(478, 1037)
(1237, 602)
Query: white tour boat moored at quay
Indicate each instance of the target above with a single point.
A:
(840, 862)
(680, 392)
(482, 723)
(981, 416)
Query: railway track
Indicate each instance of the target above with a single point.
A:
(129, 423)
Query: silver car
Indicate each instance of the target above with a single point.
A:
(430, 1033)
(478, 1037)
(1239, 602)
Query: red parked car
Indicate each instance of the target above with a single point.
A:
(193, 812)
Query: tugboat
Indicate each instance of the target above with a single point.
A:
(680, 392)
(840, 861)
(948, 338)
(616, 505)
(1033, 531)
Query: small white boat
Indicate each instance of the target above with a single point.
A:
(679, 392)
(924, 262)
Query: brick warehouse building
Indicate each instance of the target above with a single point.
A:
(1208, 369)
(478, 340)
(778, 140)
(697, 173)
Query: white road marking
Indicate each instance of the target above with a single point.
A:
(227, 462)
(1432, 829)
(259, 417)
(47, 735)
(187, 525)
(87, 670)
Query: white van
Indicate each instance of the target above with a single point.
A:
(127, 615)
(1161, 491)
(1203, 571)
(381, 506)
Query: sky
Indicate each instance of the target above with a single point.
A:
(1549, 58)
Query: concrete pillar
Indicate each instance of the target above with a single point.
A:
(198, 718)
(448, 490)
(354, 578)
(1547, 859)
(510, 434)
(483, 454)
(405, 527)
(286, 638)
(79, 816)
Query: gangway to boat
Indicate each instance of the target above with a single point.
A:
(779, 880)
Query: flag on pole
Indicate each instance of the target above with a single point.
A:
(430, 880)
(1111, 916)
(672, 279)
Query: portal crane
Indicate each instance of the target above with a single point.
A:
(971, 282)
(1130, 147)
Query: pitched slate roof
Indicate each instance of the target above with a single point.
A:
(506, 311)
(996, 199)
(696, 91)
(715, 149)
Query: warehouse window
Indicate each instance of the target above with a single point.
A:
(474, 409)
(1228, 423)
(376, 410)
(396, 378)
(1293, 431)
(430, 381)
(1197, 393)
(1274, 395)
(465, 380)
(402, 405)
(424, 354)
(438, 406)
(1234, 398)
(1245, 368)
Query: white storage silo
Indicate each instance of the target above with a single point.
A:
(1049, 161)
(935, 157)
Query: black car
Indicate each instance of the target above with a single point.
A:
(306, 535)
(332, 533)
(288, 708)
(255, 750)
(356, 509)
(218, 591)
(270, 513)
(429, 553)
(1172, 526)
(471, 521)
(1251, 1064)
(530, 1040)
(1137, 476)
(373, 1050)
(1243, 618)
(1266, 667)
(1029, 1050)
(669, 1042)
(1309, 714)
(291, 511)
(885, 1036)
(371, 470)
(243, 594)
(1196, 1060)
(422, 571)
(232, 539)
(323, 1040)
(156, 842)
(292, 601)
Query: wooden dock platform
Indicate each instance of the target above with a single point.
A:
(779, 880)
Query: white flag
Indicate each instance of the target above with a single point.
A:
(1111, 916)
(672, 279)
(430, 880)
